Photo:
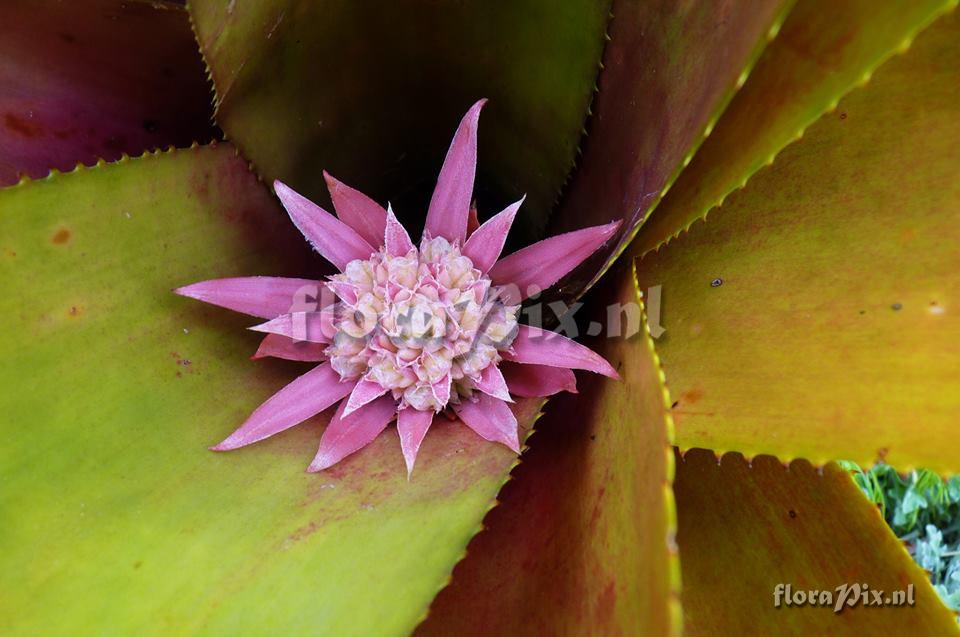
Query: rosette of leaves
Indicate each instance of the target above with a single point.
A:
(787, 172)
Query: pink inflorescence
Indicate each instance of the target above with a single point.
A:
(412, 330)
(424, 325)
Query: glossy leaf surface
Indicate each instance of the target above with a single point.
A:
(582, 540)
(825, 49)
(815, 313)
(372, 92)
(744, 529)
(669, 70)
(120, 519)
(89, 80)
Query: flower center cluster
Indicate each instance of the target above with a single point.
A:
(424, 326)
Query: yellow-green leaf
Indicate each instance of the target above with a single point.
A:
(816, 313)
(117, 519)
(669, 70)
(744, 529)
(825, 48)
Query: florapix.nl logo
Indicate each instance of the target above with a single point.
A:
(317, 314)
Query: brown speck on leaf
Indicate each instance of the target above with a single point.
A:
(793, 513)
(61, 236)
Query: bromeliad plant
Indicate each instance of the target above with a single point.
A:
(811, 316)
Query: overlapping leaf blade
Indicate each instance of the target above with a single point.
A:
(669, 70)
(117, 519)
(814, 314)
(744, 529)
(581, 542)
(372, 91)
(825, 49)
(89, 80)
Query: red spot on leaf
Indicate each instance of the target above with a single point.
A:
(691, 397)
(21, 126)
(61, 236)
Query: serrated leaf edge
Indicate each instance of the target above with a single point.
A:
(831, 465)
(584, 134)
(80, 167)
(705, 132)
(479, 527)
(675, 606)
(861, 83)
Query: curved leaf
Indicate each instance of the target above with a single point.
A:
(669, 70)
(115, 514)
(743, 529)
(95, 79)
(815, 314)
(372, 91)
(582, 541)
(825, 49)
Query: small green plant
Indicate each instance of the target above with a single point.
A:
(924, 511)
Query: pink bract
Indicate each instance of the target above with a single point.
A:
(410, 330)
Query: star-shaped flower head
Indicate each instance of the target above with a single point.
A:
(404, 331)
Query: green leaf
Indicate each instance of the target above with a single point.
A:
(745, 528)
(814, 315)
(94, 79)
(669, 70)
(582, 541)
(117, 519)
(825, 49)
(372, 91)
